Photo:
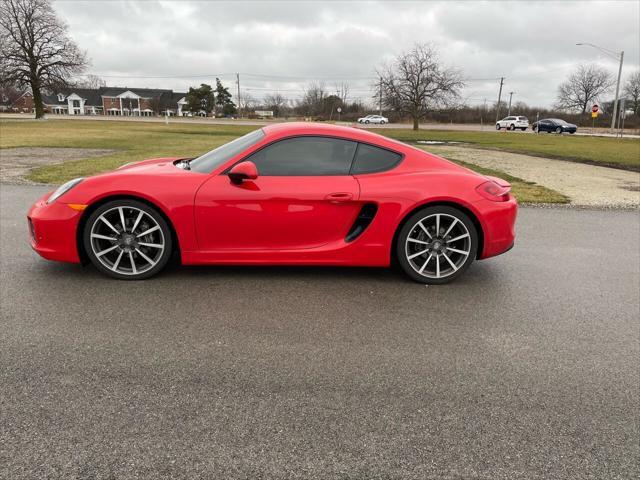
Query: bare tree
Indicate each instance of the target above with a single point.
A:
(416, 82)
(276, 102)
(584, 86)
(247, 102)
(35, 48)
(312, 102)
(342, 91)
(92, 81)
(632, 92)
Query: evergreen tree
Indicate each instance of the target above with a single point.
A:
(223, 99)
(200, 99)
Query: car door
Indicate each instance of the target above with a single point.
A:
(303, 198)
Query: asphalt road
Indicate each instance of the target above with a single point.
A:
(525, 368)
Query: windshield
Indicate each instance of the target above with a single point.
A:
(213, 159)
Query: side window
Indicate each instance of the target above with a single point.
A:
(305, 156)
(370, 159)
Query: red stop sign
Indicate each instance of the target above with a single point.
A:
(594, 109)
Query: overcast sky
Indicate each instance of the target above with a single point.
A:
(282, 45)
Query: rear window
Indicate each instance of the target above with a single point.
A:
(370, 159)
(524, 119)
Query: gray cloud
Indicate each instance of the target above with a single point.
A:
(532, 44)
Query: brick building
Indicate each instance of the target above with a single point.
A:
(117, 101)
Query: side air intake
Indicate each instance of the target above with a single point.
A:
(363, 220)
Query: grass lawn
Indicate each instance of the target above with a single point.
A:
(135, 140)
(604, 151)
(138, 140)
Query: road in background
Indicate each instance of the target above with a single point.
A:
(524, 368)
(470, 127)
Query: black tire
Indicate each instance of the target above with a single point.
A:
(382, 122)
(572, 132)
(512, 127)
(134, 205)
(366, 121)
(410, 226)
(497, 126)
(524, 129)
(559, 130)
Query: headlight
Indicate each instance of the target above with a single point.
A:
(62, 189)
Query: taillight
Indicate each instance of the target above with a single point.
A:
(494, 192)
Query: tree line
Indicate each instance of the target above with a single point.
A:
(36, 52)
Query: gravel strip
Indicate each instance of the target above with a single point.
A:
(586, 185)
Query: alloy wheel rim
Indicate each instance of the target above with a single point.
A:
(438, 245)
(127, 240)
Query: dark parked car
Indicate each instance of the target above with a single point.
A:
(554, 125)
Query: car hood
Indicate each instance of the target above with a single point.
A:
(148, 163)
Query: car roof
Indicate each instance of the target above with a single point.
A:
(313, 128)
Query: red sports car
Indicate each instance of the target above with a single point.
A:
(286, 194)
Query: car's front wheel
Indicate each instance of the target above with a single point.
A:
(127, 239)
(512, 127)
(366, 121)
(497, 126)
(382, 122)
(436, 245)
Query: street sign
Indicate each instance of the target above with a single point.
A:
(595, 108)
(594, 114)
(339, 109)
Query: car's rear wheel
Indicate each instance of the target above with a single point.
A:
(559, 130)
(436, 245)
(512, 127)
(127, 239)
(497, 126)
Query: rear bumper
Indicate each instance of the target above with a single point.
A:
(52, 230)
(498, 224)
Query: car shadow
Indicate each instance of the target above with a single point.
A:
(479, 272)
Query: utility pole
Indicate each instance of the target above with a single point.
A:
(380, 101)
(615, 105)
(510, 97)
(616, 55)
(499, 98)
(239, 105)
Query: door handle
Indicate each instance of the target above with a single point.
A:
(339, 197)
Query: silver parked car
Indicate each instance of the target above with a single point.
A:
(374, 119)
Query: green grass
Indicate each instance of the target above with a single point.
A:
(604, 151)
(133, 140)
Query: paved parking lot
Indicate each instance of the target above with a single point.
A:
(525, 368)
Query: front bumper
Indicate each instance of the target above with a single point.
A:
(499, 225)
(52, 230)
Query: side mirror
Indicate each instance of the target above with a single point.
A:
(243, 171)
